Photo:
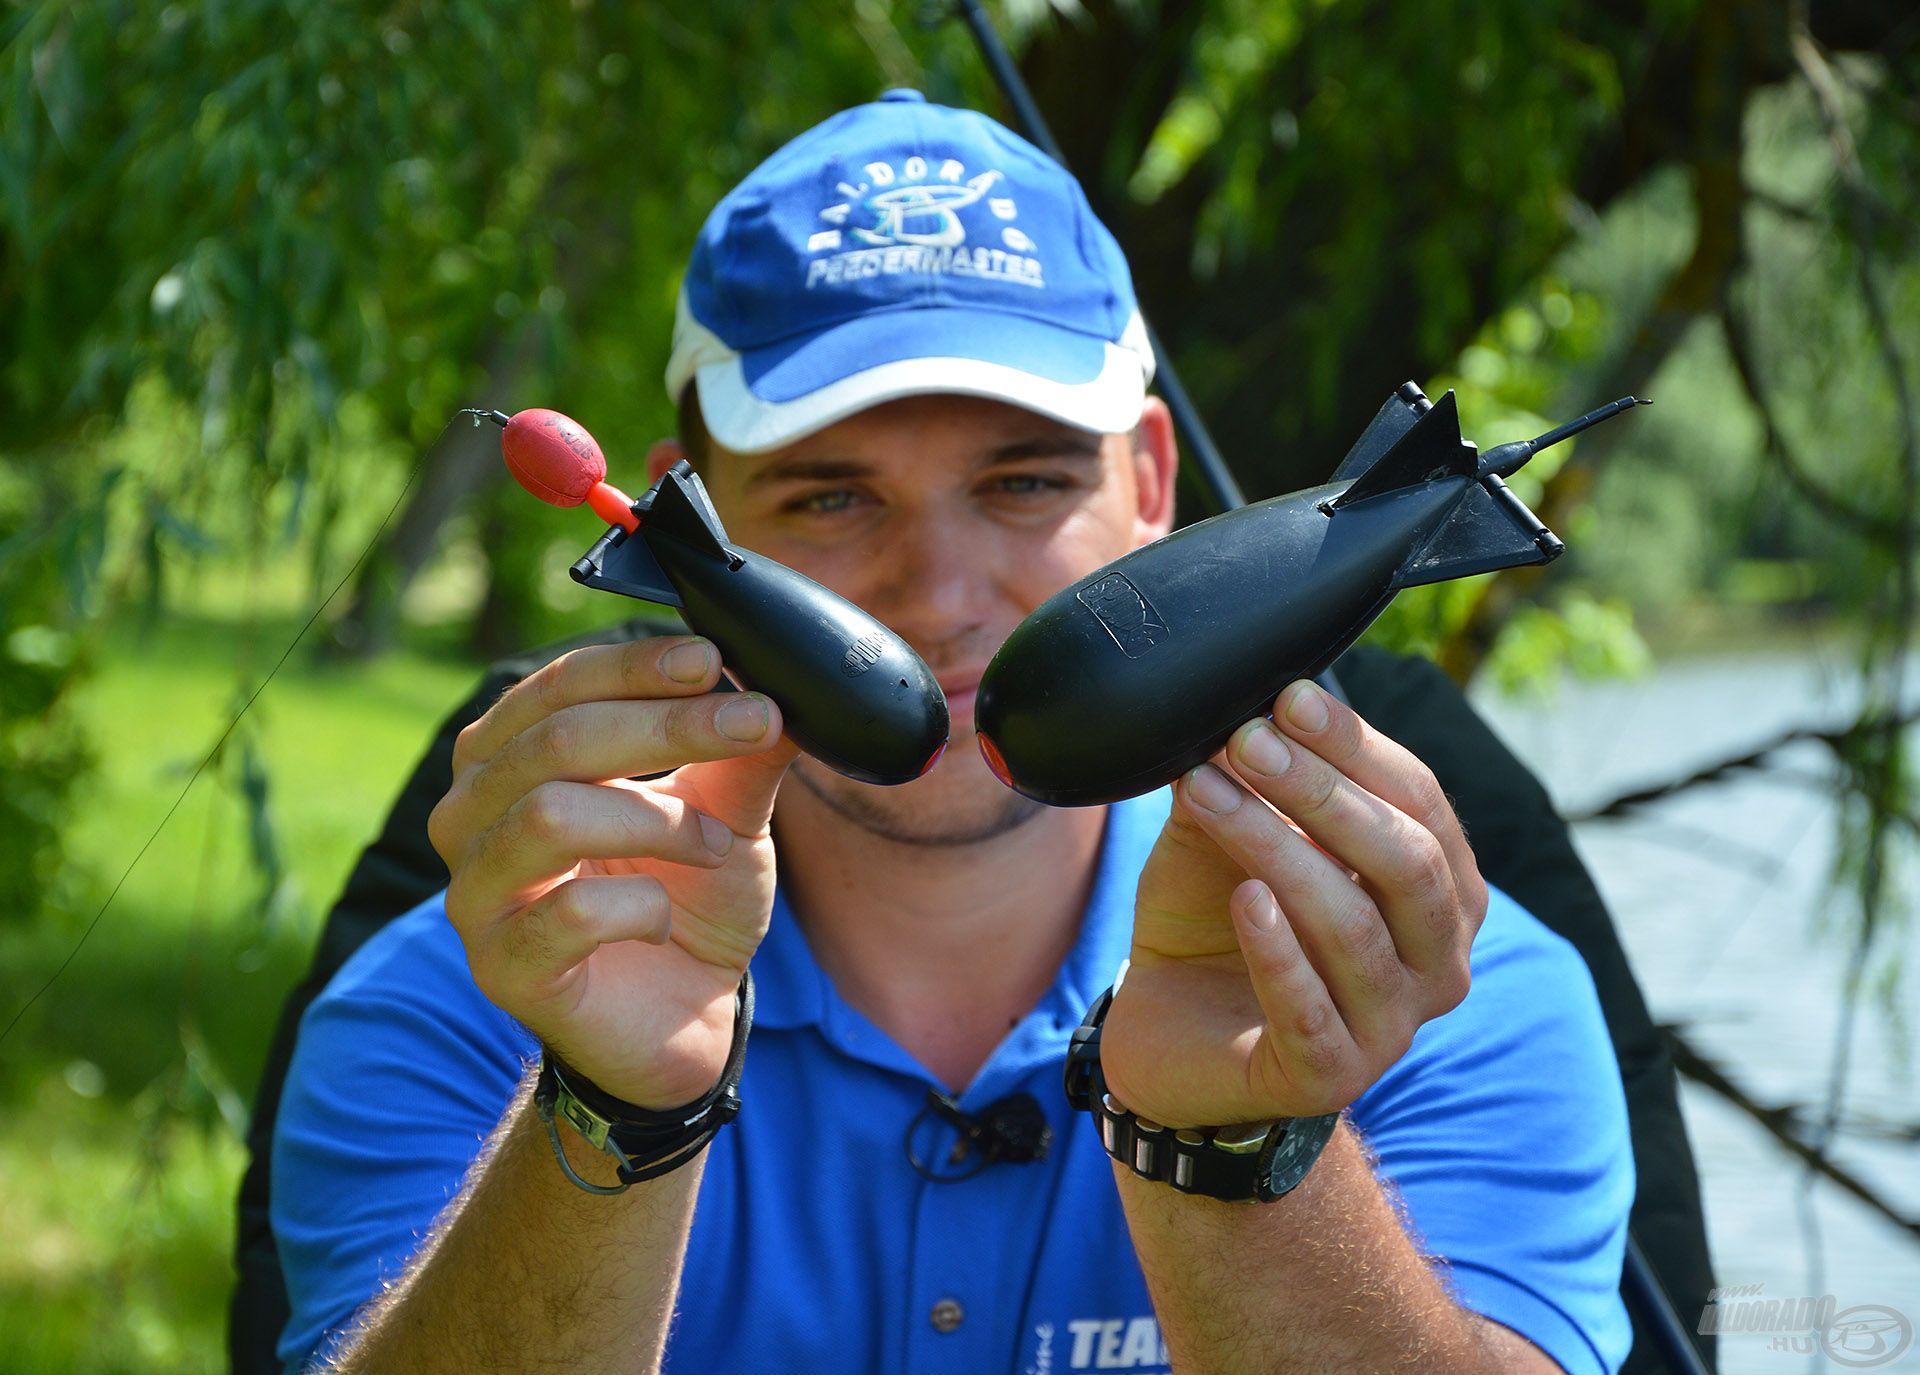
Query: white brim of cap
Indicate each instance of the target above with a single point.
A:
(1109, 402)
(743, 423)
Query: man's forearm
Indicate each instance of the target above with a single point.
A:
(1322, 1280)
(524, 1271)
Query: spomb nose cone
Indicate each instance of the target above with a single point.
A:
(888, 730)
(552, 456)
(1038, 718)
(995, 761)
(854, 694)
(887, 725)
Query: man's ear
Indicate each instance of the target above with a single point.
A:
(1156, 458)
(662, 456)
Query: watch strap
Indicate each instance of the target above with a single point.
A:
(645, 1143)
(1256, 1161)
(1249, 1161)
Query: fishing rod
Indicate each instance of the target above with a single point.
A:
(1642, 1285)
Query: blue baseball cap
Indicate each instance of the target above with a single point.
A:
(901, 248)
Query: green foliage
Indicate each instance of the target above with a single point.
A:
(1337, 195)
(315, 211)
(49, 562)
(1518, 377)
(113, 1264)
(235, 173)
(1593, 639)
(40, 753)
(122, 1093)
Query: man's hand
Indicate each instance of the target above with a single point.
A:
(614, 918)
(1310, 903)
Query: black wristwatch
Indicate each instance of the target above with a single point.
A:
(645, 1143)
(1238, 1164)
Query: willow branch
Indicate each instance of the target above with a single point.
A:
(1835, 508)
(1835, 740)
(1786, 209)
(1878, 771)
(1782, 1122)
(1860, 203)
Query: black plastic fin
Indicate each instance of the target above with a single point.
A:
(1488, 530)
(1430, 448)
(678, 507)
(1391, 421)
(621, 562)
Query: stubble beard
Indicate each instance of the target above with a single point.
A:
(985, 814)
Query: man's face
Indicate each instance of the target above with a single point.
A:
(950, 518)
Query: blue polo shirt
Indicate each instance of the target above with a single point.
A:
(817, 1246)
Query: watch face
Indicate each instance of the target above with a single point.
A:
(1300, 1145)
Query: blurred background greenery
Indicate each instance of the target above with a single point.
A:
(253, 256)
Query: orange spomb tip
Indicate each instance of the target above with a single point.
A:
(991, 753)
(932, 759)
(552, 456)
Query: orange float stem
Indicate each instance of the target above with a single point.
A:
(613, 506)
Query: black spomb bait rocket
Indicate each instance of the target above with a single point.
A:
(1144, 669)
(852, 693)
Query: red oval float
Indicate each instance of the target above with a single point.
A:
(552, 456)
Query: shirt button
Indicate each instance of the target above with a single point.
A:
(947, 1315)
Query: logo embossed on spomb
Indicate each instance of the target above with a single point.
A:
(862, 655)
(1127, 615)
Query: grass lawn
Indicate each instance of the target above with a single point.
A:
(123, 1090)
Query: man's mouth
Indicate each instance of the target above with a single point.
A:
(959, 689)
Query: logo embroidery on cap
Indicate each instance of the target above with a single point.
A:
(912, 224)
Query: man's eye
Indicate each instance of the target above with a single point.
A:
(824, 503)
(1028, 484)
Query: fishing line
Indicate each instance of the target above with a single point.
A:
(227, 734)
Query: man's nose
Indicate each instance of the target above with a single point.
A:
(936, 583)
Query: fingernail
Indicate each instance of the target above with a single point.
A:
(1263, 913)
(1308, 709)
(717, 834)
(1263, 751)
(688, 663)
(743, 719)
(1209, 787)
